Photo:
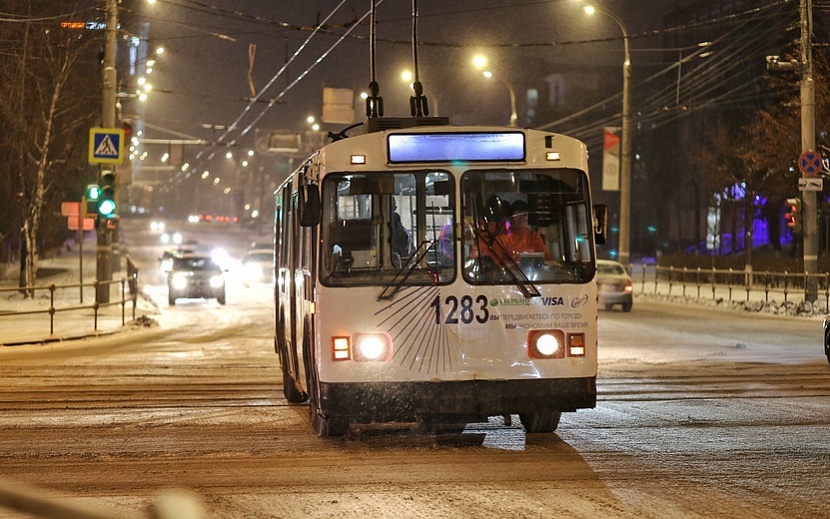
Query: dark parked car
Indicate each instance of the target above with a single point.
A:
(614, 285)
(195, 276)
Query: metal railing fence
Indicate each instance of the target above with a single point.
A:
(729, 284)
(128, 294)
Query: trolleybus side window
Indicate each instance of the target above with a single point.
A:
(282, 227)
(377, 225)
(528, 225)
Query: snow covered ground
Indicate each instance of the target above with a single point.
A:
(75, 317)
(74, 314)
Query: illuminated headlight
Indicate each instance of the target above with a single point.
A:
(220, 257)
(253, 271)
(555, 344)
(546, 344)
(365, 346)
(372, 346)
(217, 281)
(179, 281)
(166, 265)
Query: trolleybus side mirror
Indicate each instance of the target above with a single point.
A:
(309, 205)
(601, 224)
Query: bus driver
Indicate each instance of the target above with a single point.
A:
(518, 238)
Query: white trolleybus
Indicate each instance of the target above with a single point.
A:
(439, 275)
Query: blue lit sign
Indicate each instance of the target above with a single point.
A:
(450, 147)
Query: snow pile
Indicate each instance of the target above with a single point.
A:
(773, 307)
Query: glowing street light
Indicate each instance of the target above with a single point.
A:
(479, 62)
(625, 159)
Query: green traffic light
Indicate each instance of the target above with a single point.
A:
(106, 207)
(106, 197)
(93, 192)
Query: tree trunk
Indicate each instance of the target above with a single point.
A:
(31, 225)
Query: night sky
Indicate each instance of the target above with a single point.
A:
(203, 76)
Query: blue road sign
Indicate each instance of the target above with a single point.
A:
(106, 146)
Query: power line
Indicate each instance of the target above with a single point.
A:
(696, 85)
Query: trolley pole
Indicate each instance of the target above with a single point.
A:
(103, 253)
(808, 143)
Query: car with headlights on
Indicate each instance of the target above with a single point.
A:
(614, 285)
(166, 259)
(195, 275)
(258, 266)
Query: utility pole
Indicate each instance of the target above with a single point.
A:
(808, 144)
(103, 254)
(809, 161)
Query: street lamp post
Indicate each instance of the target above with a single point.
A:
(624, 255)
(479, 62)
(514, 118)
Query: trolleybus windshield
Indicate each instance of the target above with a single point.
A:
(377, 224)
(519, 227)
(526, 225)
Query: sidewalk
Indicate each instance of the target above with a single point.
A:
(74, 315)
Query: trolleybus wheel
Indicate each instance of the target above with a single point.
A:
(322, 425)
(289, 388)
(542, 422)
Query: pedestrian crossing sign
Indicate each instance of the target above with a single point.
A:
(106, 146)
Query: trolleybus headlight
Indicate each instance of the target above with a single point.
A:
(546, 344)
(372, 346)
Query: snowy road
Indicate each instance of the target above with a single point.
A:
(701, 413)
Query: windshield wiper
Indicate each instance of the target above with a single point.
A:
(398, 281)
(513, 269)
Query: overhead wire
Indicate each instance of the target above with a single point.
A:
(272, 101)
(702, 81)
(719, 61)
(698, 84)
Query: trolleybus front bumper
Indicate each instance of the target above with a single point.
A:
(413, 401)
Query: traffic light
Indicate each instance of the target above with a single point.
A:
(93, 194)
(793, 214)
(106, 202)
